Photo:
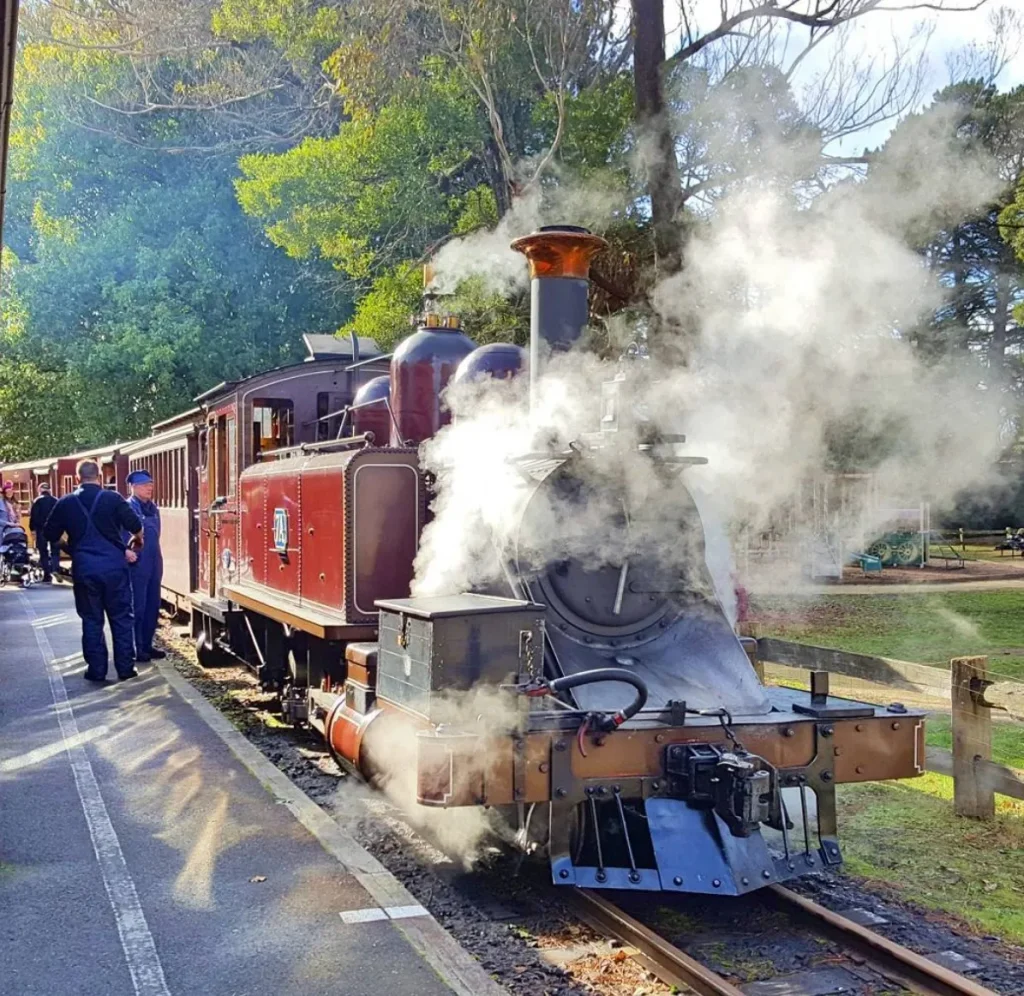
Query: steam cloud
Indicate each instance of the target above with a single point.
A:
(793, 319)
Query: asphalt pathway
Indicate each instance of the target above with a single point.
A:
(138, 855)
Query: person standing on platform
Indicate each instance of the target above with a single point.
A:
(49, 553)
(93, 520)
(9, 516)
(148, 571)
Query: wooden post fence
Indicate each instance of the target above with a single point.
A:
(972, 738)
(972, 697)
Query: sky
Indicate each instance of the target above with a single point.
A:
(874, 33)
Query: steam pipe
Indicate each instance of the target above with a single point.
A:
(563, 684)
(559, 258)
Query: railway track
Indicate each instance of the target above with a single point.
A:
(675, 967)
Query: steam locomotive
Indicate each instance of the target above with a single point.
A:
(596, 698)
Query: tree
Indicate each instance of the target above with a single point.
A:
(976, 265)
(745, 34)
(139, 282)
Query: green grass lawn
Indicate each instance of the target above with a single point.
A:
(905, 834)
(929, 627)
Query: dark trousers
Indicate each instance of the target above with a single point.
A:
(145, 607)
(49, 554)
(109, 593)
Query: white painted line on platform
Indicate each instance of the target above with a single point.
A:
(137, 942)
(388, 913)
(404, 912)
(363, 916)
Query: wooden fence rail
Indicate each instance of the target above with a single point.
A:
(972, 697)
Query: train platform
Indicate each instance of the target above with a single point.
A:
(147, 848)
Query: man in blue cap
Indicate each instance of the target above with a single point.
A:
(94, 520)
(148, 570)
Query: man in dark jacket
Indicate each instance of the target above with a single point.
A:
(93, 519)
(49, 553)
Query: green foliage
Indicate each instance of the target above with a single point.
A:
(380, 191)
(488, 316)
(139, 283)
(597, 126)
(386, 311)
(301, 29)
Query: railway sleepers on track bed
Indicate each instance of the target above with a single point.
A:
(529, 935)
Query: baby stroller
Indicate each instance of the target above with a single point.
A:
(15, 564)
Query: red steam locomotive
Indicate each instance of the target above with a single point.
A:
(601, 704)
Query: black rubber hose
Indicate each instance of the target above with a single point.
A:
(568, 681)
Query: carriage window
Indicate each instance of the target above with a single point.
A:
(273, 425)
(67, 485)
(22, 495)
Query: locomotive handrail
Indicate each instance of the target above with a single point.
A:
(368, 361)
(340, 444)
(366, 404)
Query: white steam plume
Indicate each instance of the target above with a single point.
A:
(792, 321)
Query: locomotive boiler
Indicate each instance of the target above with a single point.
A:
(594, 695)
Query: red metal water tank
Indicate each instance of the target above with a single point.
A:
(500, 360)
(420, 370)
(370, 412)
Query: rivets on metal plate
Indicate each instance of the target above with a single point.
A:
(789, 732)
(859, 769)
(859, 727)
(826, 776)
(660, 738)
(895, 726)
(560, 793)
(544, 767)
(716, 882)
(677, 880)
(563, 873)
(766, 874)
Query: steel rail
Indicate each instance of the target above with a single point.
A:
(675, 967)
(918, 973)
(672, 966)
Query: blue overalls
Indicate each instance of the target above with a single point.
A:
(146, 574)
(99, 572)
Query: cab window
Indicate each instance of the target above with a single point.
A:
(273, 425)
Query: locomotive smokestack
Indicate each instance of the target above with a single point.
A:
(559, 257)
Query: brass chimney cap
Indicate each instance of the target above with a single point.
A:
(560, 251)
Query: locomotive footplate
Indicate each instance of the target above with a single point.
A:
(713, 804)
